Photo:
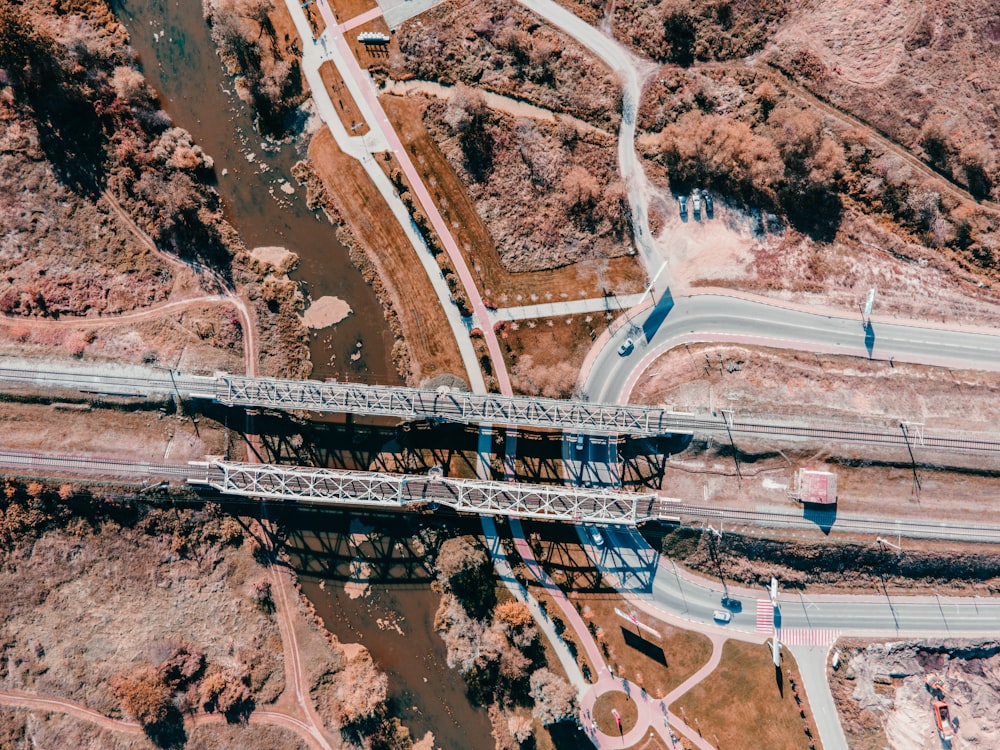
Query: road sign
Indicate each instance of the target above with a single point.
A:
(869, 303)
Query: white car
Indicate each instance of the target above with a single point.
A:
(720, 615)
(595, 536)
(627, 346)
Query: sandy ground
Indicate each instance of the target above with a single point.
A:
(730, 251)
(325, 312)
(279, 258)
(758, 381)
(884, 700)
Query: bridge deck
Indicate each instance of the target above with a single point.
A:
(347, 488)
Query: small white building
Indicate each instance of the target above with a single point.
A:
(815, 487)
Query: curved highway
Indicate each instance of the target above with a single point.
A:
(643, 572)
(717, 318)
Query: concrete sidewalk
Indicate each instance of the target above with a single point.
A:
(567, 307)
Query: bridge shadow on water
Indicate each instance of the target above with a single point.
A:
(361, 546)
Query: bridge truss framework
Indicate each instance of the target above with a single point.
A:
(365, 488)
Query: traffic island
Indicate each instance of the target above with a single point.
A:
(604, 713)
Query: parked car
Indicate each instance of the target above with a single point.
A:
(682, 199)
(627, 346)
(595, 536)
(720, 615)
(696, 204)
(709, 207)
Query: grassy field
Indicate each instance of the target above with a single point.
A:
(745, 703)
(422, 320)
(658, 665)
(347, 109)
(496, 284)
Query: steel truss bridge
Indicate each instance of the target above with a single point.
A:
(366, 488)
(515, 411)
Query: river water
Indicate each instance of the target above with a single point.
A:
(180, 63)
(394, 619)
(370, 582)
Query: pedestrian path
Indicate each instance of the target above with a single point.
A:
(765, 616)
(567, 307)
(809, 636)
(792, 636)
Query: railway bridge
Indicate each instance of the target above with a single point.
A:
(515, 411)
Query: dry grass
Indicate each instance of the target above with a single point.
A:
(742, 705)
(345, 10)
(544, 356)
(629, 648)
(347, 109)
(359, 205)
(500, 46)
(496, 283)
(627, 710)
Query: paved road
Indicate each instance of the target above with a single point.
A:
(721, 318)
(642, 572)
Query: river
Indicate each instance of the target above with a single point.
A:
(178, 57)
(370, 582)
(395, 618)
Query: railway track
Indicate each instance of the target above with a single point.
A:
(847, 524)
(405, 403)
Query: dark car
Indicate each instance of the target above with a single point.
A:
(682, 199)
(733, 605)
(709, 207)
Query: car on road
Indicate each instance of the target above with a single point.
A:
(595, 536)
(733, 605)
(579, 442)
(682, 199)
(721, 615)
(627, 346)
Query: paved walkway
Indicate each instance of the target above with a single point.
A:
(651, 714)
(315, 53)
(567, 307)
(813, 669)
(334, 41)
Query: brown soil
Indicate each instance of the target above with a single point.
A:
(99, 601)
(883, 698)
(64, 254)
(499, 280)
(128, 435)
(626, 708)
(759, 382)
(912, 72)
(199, 338)
(510, 51)
(747, 702)
(545, 356)
(347, 109)
(351, 198)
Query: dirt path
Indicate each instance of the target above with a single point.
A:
(107, 321)
(508, 105)
(230, 295)
(19, 699)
